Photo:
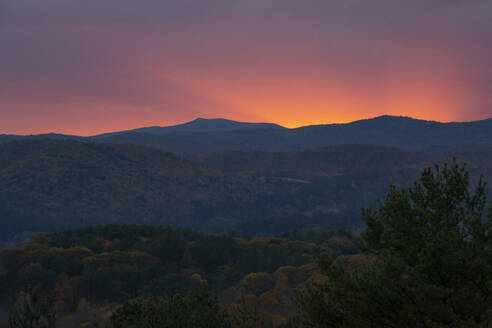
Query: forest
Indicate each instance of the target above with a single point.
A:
(54, 185)
(423, 260)
(111, 264)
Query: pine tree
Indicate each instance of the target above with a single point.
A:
(31, 311)
(432, 263)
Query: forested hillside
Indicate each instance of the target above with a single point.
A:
(107, 265)
(423, 260)
(51, 185)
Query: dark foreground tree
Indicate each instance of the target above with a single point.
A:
(432, 265)
(192, 310)
(195, 310)
(31, 311)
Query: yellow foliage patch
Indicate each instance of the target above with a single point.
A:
(281, 284)
(268, 299)
(318, 278)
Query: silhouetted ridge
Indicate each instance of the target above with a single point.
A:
(212, 135)
(201, 125)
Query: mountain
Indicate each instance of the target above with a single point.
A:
(215, 135)
(199, 125)
(55, 136)
(51, 185)
(400, 132)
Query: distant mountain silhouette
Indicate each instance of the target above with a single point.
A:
(400, 132)
(199, 125)
(213, 135)
(53, 136)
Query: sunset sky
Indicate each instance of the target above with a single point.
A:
(92, 66)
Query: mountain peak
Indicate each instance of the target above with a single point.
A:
(201, 124)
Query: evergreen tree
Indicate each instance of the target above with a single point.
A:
(195, 310)
(432, 263)
(31, 311)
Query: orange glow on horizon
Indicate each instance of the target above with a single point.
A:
(96, 68)
(290, 114)
(289, 96)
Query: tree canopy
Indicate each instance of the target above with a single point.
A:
(196, 310)
(431, 264)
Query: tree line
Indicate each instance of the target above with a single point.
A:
(424, 260)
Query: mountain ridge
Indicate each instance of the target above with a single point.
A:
(201, 120)
(199, 125)
(401, 132)
(212, 135)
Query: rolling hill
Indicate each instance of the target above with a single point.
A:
(51, 185)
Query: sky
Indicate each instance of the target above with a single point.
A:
(91, 66)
